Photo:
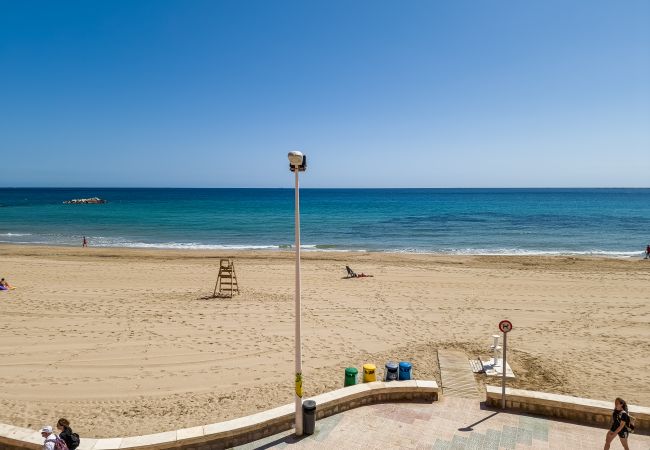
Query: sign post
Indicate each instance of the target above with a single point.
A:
(505, 326)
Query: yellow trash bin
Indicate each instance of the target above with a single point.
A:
(369, 373)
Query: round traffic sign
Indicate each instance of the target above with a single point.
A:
(505, 326)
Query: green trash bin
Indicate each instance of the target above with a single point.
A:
(351, 376)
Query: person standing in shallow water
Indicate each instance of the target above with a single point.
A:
(620, 419)
(647, 252)
(84, 242)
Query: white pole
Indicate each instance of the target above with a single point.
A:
(298, 387)
(503, 376)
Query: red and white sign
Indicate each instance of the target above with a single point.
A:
(505, 326)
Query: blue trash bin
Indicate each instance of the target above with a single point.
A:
(405, 370)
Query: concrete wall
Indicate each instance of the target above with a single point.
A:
(243, 430)
(592, 412)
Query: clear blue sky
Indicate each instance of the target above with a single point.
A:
(378, 94)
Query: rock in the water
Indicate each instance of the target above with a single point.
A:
(85, 201)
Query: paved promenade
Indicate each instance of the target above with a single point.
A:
(453, 423)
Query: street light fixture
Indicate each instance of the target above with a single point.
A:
(297, 164)
(297, 159)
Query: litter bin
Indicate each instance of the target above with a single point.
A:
(350, 376)
(369, 373)
(308, 416)
(391, 371)
(405, 370)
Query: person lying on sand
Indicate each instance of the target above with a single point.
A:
(353, 274)
(5, 286)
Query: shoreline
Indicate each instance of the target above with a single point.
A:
(129, 340)
(287, 254)
(307, 249)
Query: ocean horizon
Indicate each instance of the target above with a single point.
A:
(471, 221)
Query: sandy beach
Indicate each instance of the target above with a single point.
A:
(125, 342)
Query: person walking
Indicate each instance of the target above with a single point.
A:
(70, 438)
(620, 422)
(84, 243)
(50, 438)
(647, 251)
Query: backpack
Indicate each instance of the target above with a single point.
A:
(75, 441)
(59, 444)
(630, 423)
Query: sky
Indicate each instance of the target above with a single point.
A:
(540, 93)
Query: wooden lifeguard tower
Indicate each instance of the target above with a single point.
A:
(226, 285)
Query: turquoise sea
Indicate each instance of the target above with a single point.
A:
(613, 222)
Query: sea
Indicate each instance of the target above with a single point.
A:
(607, 222)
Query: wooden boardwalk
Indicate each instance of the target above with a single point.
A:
(456, 374)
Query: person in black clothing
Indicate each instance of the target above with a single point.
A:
(65, 433)
(620, 420)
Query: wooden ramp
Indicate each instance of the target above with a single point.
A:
(456, 374)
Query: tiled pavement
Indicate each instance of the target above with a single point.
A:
(450, 424)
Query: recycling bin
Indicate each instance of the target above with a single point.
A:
(369, 373)
(350, 376)
(391, 371)
(405, 370)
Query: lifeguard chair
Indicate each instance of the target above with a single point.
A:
(226, 285)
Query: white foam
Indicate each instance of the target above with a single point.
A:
(522, 252)
(101, 241)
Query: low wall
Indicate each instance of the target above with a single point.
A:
(592, 412)
(243, 430)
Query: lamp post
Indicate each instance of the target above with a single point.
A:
(297, 164)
